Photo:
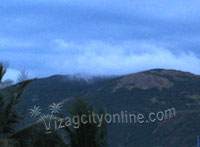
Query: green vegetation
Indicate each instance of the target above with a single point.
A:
(183, 94)
(88, 134)
(34, 135)
(8, 115)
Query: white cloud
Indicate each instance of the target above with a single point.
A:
(11, 74)
(101, 58)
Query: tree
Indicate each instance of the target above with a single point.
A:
(8, 115)
(6, 83)
(34, 135)
(23, 76)
(8, 99)
(3, 69)
(87, 134)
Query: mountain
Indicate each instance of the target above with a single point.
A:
(153, 91)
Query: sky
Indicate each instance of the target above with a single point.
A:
(99, 37)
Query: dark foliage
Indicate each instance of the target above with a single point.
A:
(87, 134)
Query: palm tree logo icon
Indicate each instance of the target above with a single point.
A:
(36, 112)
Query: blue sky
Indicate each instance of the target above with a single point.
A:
(99, 37)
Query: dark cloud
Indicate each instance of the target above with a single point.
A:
(80, 35)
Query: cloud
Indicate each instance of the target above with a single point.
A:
(100, 58)
(99, 37)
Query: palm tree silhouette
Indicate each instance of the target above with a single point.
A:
(8, 115)
(87, 134)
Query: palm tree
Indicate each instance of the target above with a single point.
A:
(34, 135)
(23, 76)
(8, 115)
(87, 134)
(3, 69)
(8, 99)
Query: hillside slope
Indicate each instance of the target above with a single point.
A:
(145, 92)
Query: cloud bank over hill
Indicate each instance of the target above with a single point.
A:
(99, 37)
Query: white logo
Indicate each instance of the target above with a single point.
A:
(36, 112)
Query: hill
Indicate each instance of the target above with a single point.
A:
(146, 92)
